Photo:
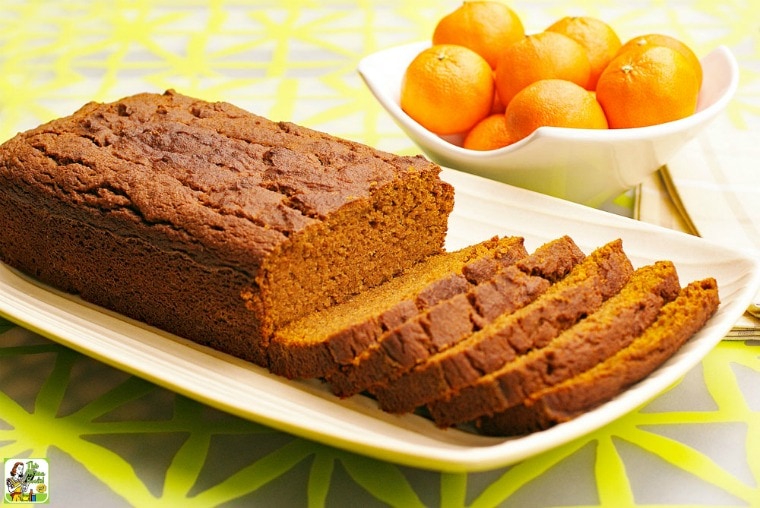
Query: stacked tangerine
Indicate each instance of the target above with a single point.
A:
(483, 77)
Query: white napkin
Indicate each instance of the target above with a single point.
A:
(720, 189)
(714, 185)
(655, 205)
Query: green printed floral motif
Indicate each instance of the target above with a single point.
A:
(127, 409)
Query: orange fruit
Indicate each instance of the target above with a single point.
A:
(447, 89)
(552, 103)
(647, 86)
(488, 134)
(544, 55)
(600, 40)
(668, 41)
(485, 27)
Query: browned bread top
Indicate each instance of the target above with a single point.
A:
(211, 175)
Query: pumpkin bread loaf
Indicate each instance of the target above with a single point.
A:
(612, 327)
(677, 321)
(599, 276)
(319, 343)
(316, 256)
(440, 326)
(209, 221)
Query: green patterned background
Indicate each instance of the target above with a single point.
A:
(115, 440)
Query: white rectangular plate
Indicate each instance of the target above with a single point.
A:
(483, 208)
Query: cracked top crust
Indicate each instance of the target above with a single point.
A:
(187, 169)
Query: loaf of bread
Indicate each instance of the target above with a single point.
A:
(677, 321)
(208, 221)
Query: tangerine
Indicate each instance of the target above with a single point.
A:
(669, 41)
(488, 134)
(647, 86)
(447, 89)
(485, 27)
(600, 40)
(544, 55)
(552, 103)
